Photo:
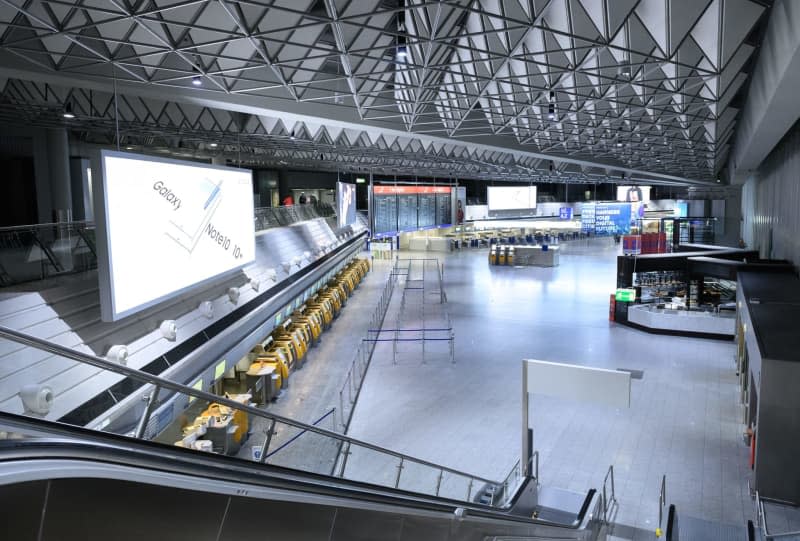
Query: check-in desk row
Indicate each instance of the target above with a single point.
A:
(285, 349)
(221, 429)
(542, 256)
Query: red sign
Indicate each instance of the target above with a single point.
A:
(390, 190)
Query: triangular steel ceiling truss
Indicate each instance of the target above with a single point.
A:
(644, 84)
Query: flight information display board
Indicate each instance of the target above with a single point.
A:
(444, 210)
(606, 218)
(407, 212)
(385, 213)
(408, 208)
(426, 212)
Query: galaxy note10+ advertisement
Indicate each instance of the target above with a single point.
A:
(168, 226)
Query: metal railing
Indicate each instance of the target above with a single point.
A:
(362, 461)
(269, 217)
(516, 475)
(609, 495)
(348, 394)
(662, 501)
(39, 251)
(761, 520)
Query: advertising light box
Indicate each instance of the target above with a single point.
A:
(345, 204)
(167, 226)
(633, 194)
(511, 197)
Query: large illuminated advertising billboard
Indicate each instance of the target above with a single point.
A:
(166, 226)
(511, 197)
(345, 204)
(633, 194)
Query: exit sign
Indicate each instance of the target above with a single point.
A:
(626, 295)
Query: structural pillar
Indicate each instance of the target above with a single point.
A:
(60, 183)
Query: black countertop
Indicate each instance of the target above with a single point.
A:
(773, 301)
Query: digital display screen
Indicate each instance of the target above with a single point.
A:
(409, 207)
(511, 197)
(606, 218)
(168, 226)
(345, 204)
(384, 212)
(444, 209)
(633, 194)
(426, 211)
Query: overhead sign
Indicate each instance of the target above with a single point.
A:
(565, 213)
(167, 226)
(582, 383)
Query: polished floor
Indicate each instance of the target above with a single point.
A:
(684, 420)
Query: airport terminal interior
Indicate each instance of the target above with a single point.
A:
(410, 270)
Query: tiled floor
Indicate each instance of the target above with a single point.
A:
(683, 422)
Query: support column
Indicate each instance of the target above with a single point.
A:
(60, 184)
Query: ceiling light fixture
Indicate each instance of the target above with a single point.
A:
(67, 113)
(213, 145)
(197, 80)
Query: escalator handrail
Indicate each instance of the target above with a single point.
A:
(82, 444)
(98, 362)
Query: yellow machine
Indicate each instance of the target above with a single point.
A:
(271, 359)
(283, 356)
(317, 309)
(510, 256)
(311, 323)
(286, 349)
(493, 255)
(501, 255)
(222, 413)
(288, 344)
(301, 333)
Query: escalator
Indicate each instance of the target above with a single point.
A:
(60, 483)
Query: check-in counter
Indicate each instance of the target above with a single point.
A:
(419, 244)
(218, 429)
(683, 321)
(440, 244)
(538, 256)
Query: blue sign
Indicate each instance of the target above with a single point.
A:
(606, 218)
(565, 213)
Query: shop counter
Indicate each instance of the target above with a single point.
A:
(682, 321)
(536, 255)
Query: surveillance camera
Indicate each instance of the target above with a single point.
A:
(169, 329)
(36, 398)
(207, 309)
(118, 354)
